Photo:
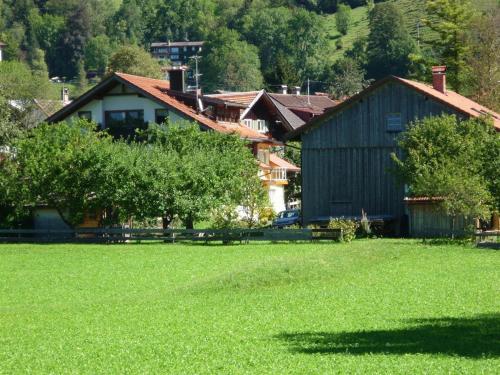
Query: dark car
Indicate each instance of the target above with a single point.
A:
(287, 218)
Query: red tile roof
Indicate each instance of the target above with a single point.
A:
(282, 163)
(157, 89)
(452, 99)
(457, 101)
(243, 98)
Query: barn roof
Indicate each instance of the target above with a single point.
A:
(452, 99)
(316, 104)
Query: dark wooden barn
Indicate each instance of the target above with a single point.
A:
(346, 151)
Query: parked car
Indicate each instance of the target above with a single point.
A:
(287, 218)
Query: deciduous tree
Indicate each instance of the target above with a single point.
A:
(229, 63)
(452, 159)
(134, 60)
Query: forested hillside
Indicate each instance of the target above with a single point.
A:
(338, 45)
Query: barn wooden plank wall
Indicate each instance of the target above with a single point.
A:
(346, 159)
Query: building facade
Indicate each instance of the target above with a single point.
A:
(178, 53)
(346, 153)
(123, 103)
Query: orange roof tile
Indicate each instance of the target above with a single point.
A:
(244, 98)
(157, 88)
(282, 163)
(455, 100)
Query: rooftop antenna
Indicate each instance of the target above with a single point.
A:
(196, 77)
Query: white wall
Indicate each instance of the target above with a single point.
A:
(277, 197)
(125, 102)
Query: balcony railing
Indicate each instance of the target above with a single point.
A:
(278, 174)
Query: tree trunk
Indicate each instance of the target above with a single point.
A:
(189, 222)
(166, 220)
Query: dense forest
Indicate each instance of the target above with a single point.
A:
(339, 46)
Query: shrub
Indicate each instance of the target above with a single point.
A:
(348, 228)
(339, 44)
(365, 225)
(225, 217)
(266, 216)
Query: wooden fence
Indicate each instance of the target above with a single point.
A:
(120, 235)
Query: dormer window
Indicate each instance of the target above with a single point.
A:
(257, 125)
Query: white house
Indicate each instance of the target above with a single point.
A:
(124, 102)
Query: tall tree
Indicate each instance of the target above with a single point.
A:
(447, 158)
(453, 20)
(389, 43)
(343, 18)
(484, 59)
(181, 20)
(229, 63)
(134, 60)
(98, 51)
(71, 44)
(346, 78)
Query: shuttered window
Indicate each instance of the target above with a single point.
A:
(394, 123)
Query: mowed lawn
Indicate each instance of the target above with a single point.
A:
(372, 306)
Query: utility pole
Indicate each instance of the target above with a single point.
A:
(196, 77)
(308, 98)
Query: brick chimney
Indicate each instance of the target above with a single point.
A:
(439, 78)
(177, 79)
(284, 89)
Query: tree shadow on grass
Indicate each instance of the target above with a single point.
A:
(465, 337)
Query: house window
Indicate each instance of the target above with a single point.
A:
(161, 116)
(257, 125)
(174, 57)
(262, 126)
(174, 50)
(263, 155)
(394, 123)
(124, 123)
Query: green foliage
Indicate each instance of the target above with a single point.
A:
(343, 18)
(9, 128)
(181, 20)
(291, 42)
(389, 43)
(181, 172)
(134, 60)
(17, 82)
(230, 64)
(348, 227)
(225, 217)
(98, 51)
(346, 78)
(456, 161)
(483, 76)
(453, 20)
(294, 187)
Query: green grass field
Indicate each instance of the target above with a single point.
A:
(372, 306)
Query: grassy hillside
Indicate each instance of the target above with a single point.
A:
(369, 307)
(413, 13)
